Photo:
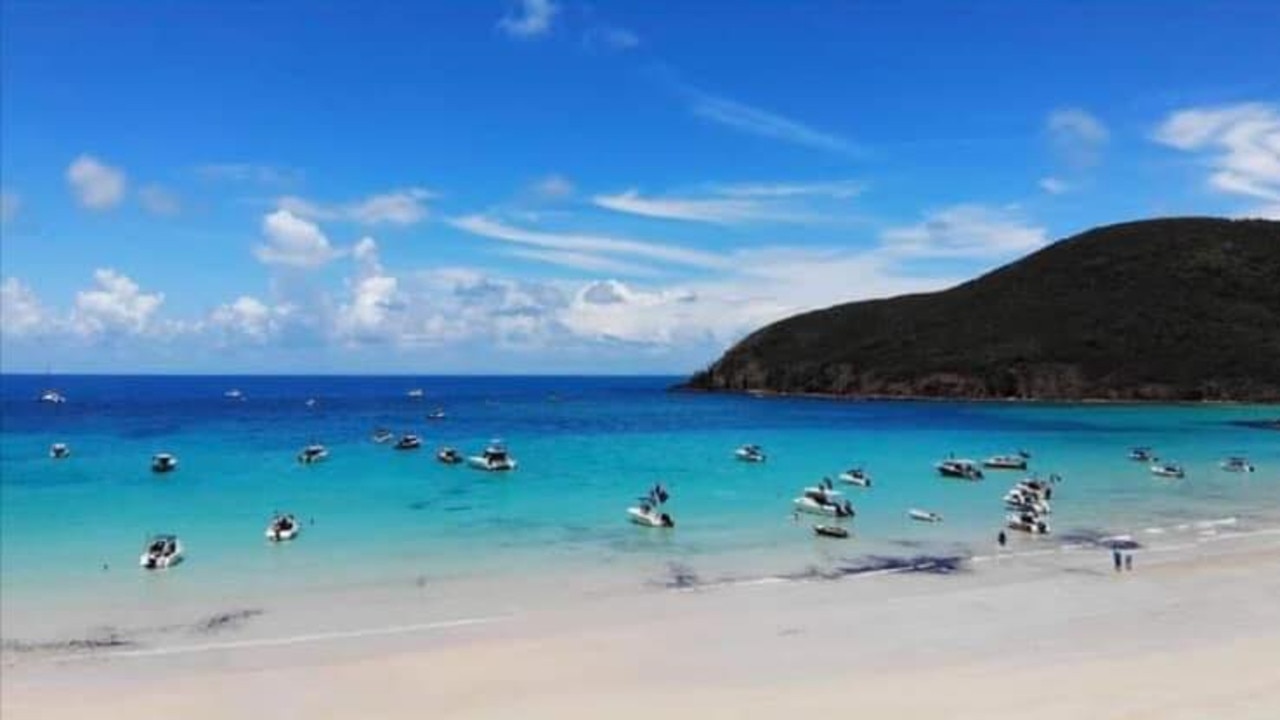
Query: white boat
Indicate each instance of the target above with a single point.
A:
(1006, 462)
(233, 394)
(311, 402)
(855, 476)
(831, 531)
(650, 517)
(282, 527)
(383, 436)
(1142, 454)
(924, 515)
(963, 469)
(814, 506)
(448, 456)
(1237, 464)
(313, 453)
(750, 453)
(53, 397)
(416, 394)
(162, 551)
(163, 463)
(437, 414)
(408, 441)
(1027, 522)
(59, 451)
(1026, 503)
(1031, 486)
(495, 458)
(1168, 470)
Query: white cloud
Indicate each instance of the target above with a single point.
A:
(1077, 135)
(1054, 186)
(116, 305)
(965, 231)
(763, 123)
(529, 18)
(249, 173)
(294, 242)
(96, 185)
(834, 189)
(587, 244)
(20, 310)
(585, 262)
(396, 207)
(10, 203)
(710, 210)
(609, 37)
(159, 201)
(1240, 143)
(248, 318)
(373, 311)
(553, 187)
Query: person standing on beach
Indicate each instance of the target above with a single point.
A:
(1115, 557)
(1002, 539)
(1128, 562)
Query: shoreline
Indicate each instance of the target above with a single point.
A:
(1092, 402)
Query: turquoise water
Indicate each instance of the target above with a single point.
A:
(586, 448)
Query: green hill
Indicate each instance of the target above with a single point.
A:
(1171, 309)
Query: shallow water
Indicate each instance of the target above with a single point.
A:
(70, 531)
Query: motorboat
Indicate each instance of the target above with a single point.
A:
(448, 456)
(1026, 503)
(1168, 470)
(59, 451)
(1039, 488)
(1237, 464)
(283, 527)
(311, 402)
(52, 397)
(816, 506)
(963, 469)
(650, 516)
(1027, 522)
(495, 458)
(1005, 462)
(855, 476)
(313, 453)
(750, 453)
(831, 531)
(162, 551)
(437, 414)
(416, 394)
(383, 436)
(826, 489)
(163, 463)
(233, 394)
(924, 515)
(1142, 454)
(408, 441)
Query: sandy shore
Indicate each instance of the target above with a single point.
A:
(1193, 632)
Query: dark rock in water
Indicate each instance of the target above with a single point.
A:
(225, 621)
(1159, 310)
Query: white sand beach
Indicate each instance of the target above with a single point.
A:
(1192, 632)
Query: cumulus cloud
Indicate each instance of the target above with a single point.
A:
(96, 185)
(529, 19)
(370, 313)
(248, 318)
(1240, 143)
(115, 305)
(158, 200)
(293, 242)
(21, 313)
(966, 231)
(1077, 135)
(396, 207)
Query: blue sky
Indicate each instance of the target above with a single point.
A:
(557, 186)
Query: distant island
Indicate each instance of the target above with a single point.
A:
(1177, 309)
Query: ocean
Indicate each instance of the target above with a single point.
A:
(378, 520)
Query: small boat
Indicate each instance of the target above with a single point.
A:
(855, 476)
(1006, 462)
(383, 436)
(162, 551)
(495, 458)
(815, 506)
(52, 397)
(964, 469)
(1027, 522)
(750, 453)
(59, 451)
(311, 402)
(282, 527)
(415, 394)
(1168, 470)
(831, 531)
(163, 463)
(448, 456)
(924, 515)
(1142, 454)
(650, 516)
(1237, 464)
(313, 453)
(1026, 503)
(437, 414)
(233, 394)
(408, 441)
(1039, 488)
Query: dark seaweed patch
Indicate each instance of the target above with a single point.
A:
(225, 621)
(108, 639)
(679, 577)
(421, 504)
(925, 564)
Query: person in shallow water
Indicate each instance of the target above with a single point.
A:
(1115, 558)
